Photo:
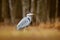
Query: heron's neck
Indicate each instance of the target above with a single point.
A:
(28, 16)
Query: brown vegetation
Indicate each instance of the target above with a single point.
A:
(39, 32)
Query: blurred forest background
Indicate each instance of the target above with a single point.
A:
(12, 11)
(47, 15)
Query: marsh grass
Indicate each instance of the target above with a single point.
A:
(40, 32)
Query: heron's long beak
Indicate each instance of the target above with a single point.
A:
(33, 14)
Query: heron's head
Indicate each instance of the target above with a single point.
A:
(30, 14)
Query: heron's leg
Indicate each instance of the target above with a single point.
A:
(24, 29)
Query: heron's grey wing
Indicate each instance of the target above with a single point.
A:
(20, 23)
(26, 22)
(23, 23)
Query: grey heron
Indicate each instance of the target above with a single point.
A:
(25, 21)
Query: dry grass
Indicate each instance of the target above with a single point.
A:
(39, 32)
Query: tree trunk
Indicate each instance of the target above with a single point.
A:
(33, 11)
(52, 10)
(5, 11)
(13, 7)
(48, 10)
(38, 12)
(19, 14)
(0, 10)
(25, 7)
(58, 9)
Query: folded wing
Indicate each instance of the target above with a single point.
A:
(23, 23)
